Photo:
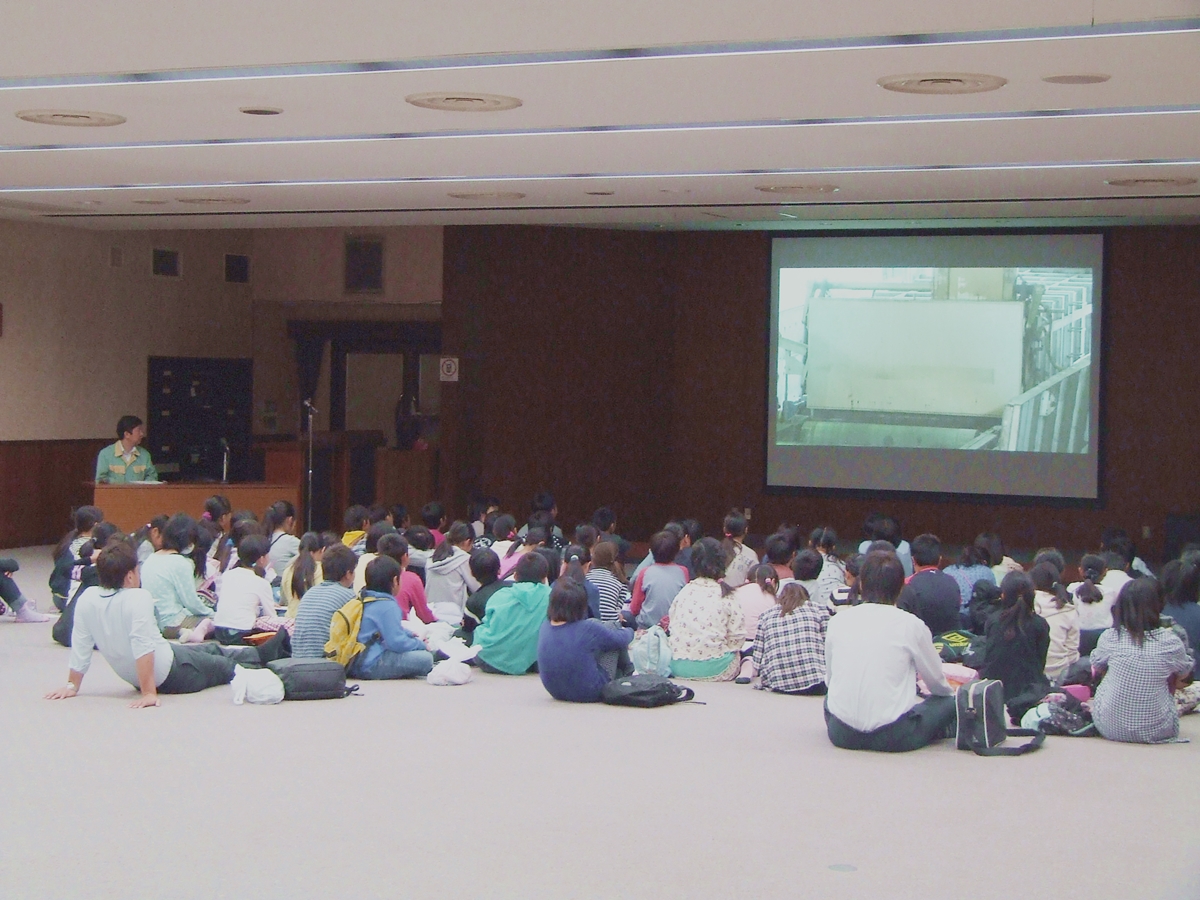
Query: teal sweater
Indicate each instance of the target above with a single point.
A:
(508, 636)
(171, 580)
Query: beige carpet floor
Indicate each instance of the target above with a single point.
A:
(493, 790)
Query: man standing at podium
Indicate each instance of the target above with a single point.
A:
(125, 462)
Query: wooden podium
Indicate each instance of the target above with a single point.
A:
(130, 506)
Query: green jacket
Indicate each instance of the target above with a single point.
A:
(508, 636)
(111, 467)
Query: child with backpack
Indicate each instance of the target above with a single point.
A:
(578, 656)
(387, 651)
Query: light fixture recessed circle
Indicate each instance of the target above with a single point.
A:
(798, 188)
(214, 201)
(487, 195)
(75, 118)
(260, 110)
(942, 83)
(459, 101)
(1081, 78)
(1177, 181)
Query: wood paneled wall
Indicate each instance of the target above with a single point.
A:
(40, 483)
(630, 367)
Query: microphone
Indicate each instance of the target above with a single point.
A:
(310, 407)
(224, 444)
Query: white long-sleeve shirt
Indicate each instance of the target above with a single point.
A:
(242, 597)
(122, 626)
(873, 654)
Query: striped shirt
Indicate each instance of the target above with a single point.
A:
(613, 594)
(313, 616)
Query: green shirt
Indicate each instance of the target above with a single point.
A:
(508, 636)
(111, 467)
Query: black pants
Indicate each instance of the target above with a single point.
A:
(1088, 639)
(923, 724)
(816, 690)
(9, 592)
(200, 666)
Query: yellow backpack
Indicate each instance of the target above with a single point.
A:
(343, 645)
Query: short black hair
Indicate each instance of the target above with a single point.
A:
(484, 565)
(503, 527)
(338, 561)
(126, 424)
(433, 514)
(691, 529)
(355, 516)
(778, 550)
(399, 514)
(664, 546)
(114, 563)
(179, 533)
(541, 518)
(586, 536)
(735, 524)
(881, 578)
(252, 548)
(375, 532)
(926, 549)
(378, 513)
(708, 559)
(420, 537)
(381, 572)
(568, 601)
(807, 565)
(394, 545)
(532, 567)
(543, 501)
(604, 518)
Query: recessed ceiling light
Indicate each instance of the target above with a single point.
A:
(214, 201)
(713, 215)
(87, 202)
(600, 193)
(487, 195)
(73, 117)
(149, 202)
(942, 83)
(260, 110)
(798, 188)
(1178, 181)
(463, 102)
(674, 191)
(788, 216)
(1076, 79)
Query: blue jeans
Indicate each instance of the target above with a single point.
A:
(410, 664)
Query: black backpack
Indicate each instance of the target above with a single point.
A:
(982, 725)
(312, 679)
(645, 691)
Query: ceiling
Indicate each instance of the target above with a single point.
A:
(671, 114)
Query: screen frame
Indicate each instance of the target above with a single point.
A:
(1098, 502)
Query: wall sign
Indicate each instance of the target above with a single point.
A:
(448, 369)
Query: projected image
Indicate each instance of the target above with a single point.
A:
(937, 358)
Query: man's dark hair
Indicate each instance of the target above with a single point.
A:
(420, 537)
(375, 532)
(354, 518)
(126, 424)
(337, 562)
(485, 566)
(381, 572)
(926, 550)
(114, 563)
(568, 601)
(807, 565)
(778, 550)
(394, 545)
(433, 514)
(881, 578)
(604, 518)
(532, 567)
(378, 513)
(543, 501)
(664, 546)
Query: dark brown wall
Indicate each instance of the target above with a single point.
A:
(40, 483)
(629, 367)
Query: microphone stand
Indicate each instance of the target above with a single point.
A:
(309, 499)
(224, 461)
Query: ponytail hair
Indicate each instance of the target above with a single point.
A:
(304, 569)
(604, 556)
(1093, 568)
(575, 557)
(824, 539)
(1016, 603)
(84, 519)
(158, 523)
(458, 533)
(766, 578)
(277, 513)
(1046, 578)
(734, 527)
(792, 597)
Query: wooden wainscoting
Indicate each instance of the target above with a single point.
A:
(40, 483)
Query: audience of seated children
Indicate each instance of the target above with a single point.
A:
(1181, 586)
(824, 541)
(974, 564)
(169, 576)
(118, 618)
(411, 595)
(321, 601)
(356, 522)
(789, 651)
(448, 578)
(755, 597)
(605, 521)
(485, 566)
(433, 517)
(279, 523)
(245, 602)
(1141, 661)
(930, 594)
(708, 628)
(873, 654)
(420, 547)
(1095, 596)
(370, 551)
(1015, 645)
(848, 592)
(507, 637)
(656, 585)
(740, 559)
(389, 650)
(887, 528)
(608, 576)
(1052, 602)
(577, 655)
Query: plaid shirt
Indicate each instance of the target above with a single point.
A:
(789, 651)
(1133, 703)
